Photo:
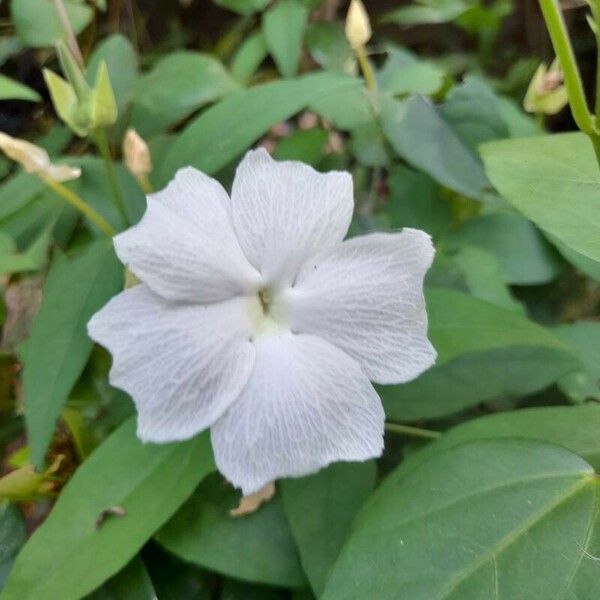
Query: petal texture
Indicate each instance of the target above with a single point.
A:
(366, 297)
(184, 247)
(183, 365)
(307, 404)
(283, 212)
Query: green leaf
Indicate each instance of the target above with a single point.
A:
(459, 324)
(79, 545)
(404, 73)
(321, 508)
(555, 182)
(37, 23)
(525, 256)
(32, 259)
(12, 537)
(244, 7)
(103, 104)
(573, 427)
(415, 201)
(328, 46)
(256, 547)
(584, 339)
(485, 352)
(58, 346)
(467, 524)
(13, 90)
(249, 57)
(283, 26)
(132, 583)
(245, 116)
(473, 111)
(306, 145)
(425, 140)
(468, 380)
(122, 64)
(179, 84)
(427, 12)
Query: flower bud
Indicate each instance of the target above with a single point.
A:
(358, 27)
(35, 159)
(136, 154)
(546, 93)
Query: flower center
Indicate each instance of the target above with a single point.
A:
(267, 312)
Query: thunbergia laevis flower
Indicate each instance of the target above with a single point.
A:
(255, 319)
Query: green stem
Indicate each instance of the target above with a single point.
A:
(101, 140)
(412, 431)
(71, 40)
(365, 67)
(596, 17)
(564, 51)
(76, 202)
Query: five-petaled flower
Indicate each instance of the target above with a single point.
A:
(255, 319)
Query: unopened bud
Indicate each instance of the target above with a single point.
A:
(136, 154)
(358, 27)
(546, 93)
(35, 159)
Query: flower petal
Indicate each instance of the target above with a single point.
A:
(283, 212)
(183, 365)
(307, 404)
(366, 297)
(184, 247)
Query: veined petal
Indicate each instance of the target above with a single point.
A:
(283, 212)
(183, 365)
(184, 247)
(366, 297)
(307, 404)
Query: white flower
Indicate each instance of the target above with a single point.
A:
(253, 318)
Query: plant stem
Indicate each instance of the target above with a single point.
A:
(101, 140)
(365, 67)
(76, 202)
(71, 40)
(145, 184)
(596, 17)
(412, 431)
(564, 51)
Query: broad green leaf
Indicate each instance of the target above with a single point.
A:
(586, 265)
(485, 352)
(179, 84)
(321, 508)
(58, 346)
(467, 524)
(132, 583)
(473, 111)
(425, 140)
(415, 201)
(554, 181)
(474, 378)
(306, 145)
(283, 26)
(525, 256)
(404, 73)
(17, 191)
(368, 145)
(249, 57)
(80, 545)
(256, 547)
(329, 47)
(12, 537)
(573, 427)
(245, 116)
(37, 23)
(584, 338)
(31, 259)
(483, 276)
(122, 64)
(459, 324)
(13, 90)
(427, 12)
